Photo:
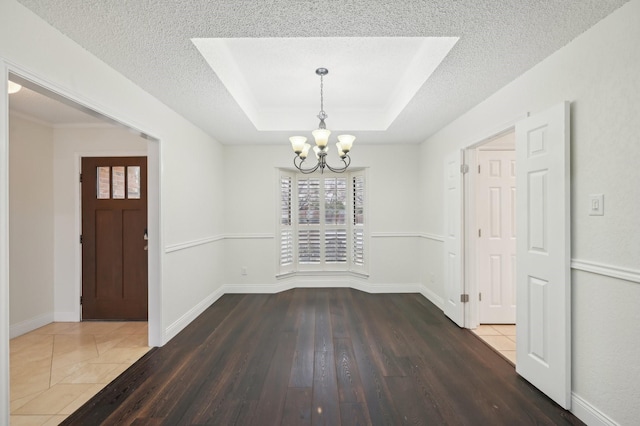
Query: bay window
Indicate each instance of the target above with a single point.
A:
(322, 222)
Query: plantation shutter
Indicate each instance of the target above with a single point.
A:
(335, 223)
(321, 222)
(286, 223)
(358, 229)
(309, 245)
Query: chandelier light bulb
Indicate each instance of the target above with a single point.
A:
(346, 141)
(297, 143)
(321, 136)
(305, 150)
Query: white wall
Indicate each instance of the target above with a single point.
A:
(250, 214)
(31, 232)
(69, 145)
(598, 72)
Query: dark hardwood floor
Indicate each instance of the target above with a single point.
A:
(321, 356)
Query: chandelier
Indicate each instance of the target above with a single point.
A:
(321, 136)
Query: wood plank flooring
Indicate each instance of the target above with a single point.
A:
(321, 357)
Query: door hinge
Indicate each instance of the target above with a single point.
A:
(464, 298)
(479, 233)
(81, 300)
(480, 297)
(464, 168)
(80, 238)
(478, 168)
(80, 177)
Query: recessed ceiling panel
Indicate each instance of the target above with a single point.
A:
(370, 80)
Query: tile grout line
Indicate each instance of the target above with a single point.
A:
(53, 343)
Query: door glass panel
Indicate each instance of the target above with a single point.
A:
(104, 188)
(118, 182)
(133, 182)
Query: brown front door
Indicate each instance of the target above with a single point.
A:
(114, 244)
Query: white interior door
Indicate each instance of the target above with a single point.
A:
(496, 244)
(543, 352)
(453, 259)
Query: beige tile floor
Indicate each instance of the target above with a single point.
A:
(57, 368)
(501, 337)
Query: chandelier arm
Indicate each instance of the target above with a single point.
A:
(299, 165)
(341, 169)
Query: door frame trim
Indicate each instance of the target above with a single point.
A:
(4, 244)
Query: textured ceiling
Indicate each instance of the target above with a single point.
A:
(149, 41)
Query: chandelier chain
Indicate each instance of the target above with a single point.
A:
(322, 115)
(321, 94)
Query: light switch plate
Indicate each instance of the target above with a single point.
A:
(596, 205)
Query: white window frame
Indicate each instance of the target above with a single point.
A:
(322, 268)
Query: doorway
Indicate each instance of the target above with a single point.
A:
(543, 275)
(492, 212)
(64, 306)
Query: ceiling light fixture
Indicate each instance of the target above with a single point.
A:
(13, 87)
(321, 135)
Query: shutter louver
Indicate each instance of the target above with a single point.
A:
(335, 242)
(285, 200)
(335, 201)
(309, 201)
(286, 247)
(358, 247)
(358, 200)
(286, 228)
(309, 246)
(358, 221)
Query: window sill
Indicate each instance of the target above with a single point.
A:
(292, 274)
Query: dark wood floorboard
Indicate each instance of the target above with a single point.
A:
(321, 357)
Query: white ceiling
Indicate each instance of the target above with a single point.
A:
(268, 51)
(50, 111)
(364, 90)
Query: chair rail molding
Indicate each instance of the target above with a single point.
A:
(215, 238)
(612, 271)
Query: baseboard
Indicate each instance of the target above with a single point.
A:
(257, 288)
(313, 283)
(432, 297)
(30, 324)
(385, 288)
(588, 413)
(172, 330)
(66, 316)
